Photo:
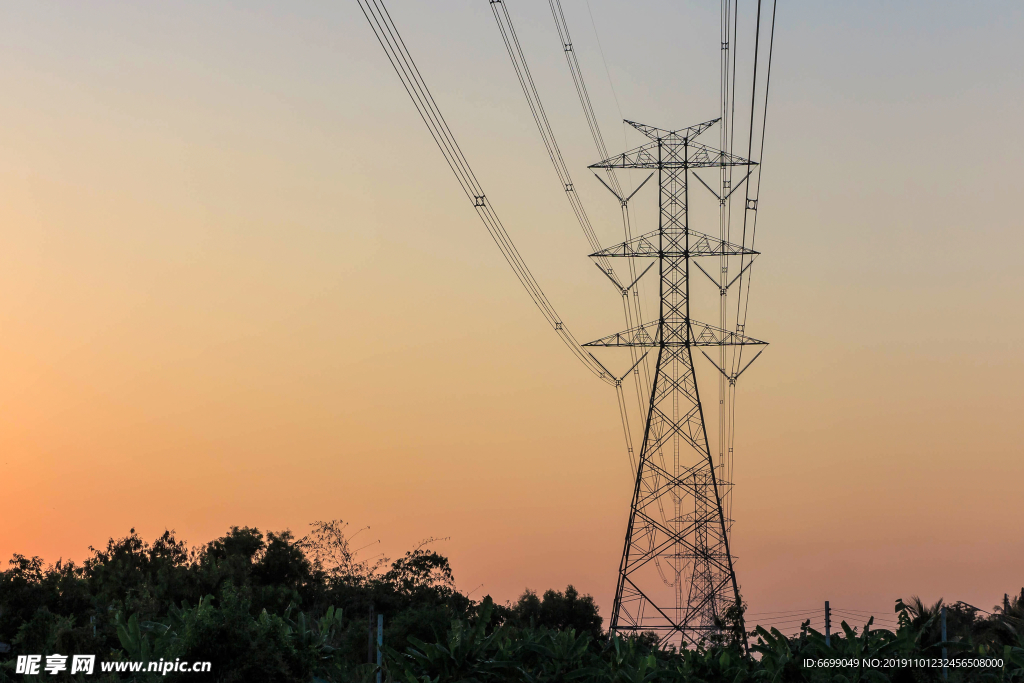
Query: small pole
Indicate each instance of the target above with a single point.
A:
(945, 674)
(369, 648)
(828, 626)
(380, 643)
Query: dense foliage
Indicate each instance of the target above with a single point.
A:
(268, 607)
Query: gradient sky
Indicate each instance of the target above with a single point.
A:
(239, 286)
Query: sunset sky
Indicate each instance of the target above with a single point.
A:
(240, 286)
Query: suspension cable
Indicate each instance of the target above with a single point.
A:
(753, 188)
(751, 196)
(632, 309)
(540, 117)
(760, 154)
(402, 62)
(581, 86)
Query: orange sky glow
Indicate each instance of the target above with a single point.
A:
(239, 286)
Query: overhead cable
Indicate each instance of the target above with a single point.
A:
(401, 60)
(632, 307)
(753, 189)
(540, 117)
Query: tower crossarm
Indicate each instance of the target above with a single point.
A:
(698, 156)
(699, 245)
(653, 334)
(655, 133)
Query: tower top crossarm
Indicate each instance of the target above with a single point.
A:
(655, 133)
(697, 155)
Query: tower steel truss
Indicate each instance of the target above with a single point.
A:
(676, 576)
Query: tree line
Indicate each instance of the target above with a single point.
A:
(271, 607)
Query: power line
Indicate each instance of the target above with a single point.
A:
(858, 611)
(632, 306)
(540, 117)
(784, 613)
(521, 67)
(401, 60)
(581, 87)
(852, 615)
(751, 200)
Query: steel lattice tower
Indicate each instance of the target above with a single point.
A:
(676, 576)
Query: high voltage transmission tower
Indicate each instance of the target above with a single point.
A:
(676, 575)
